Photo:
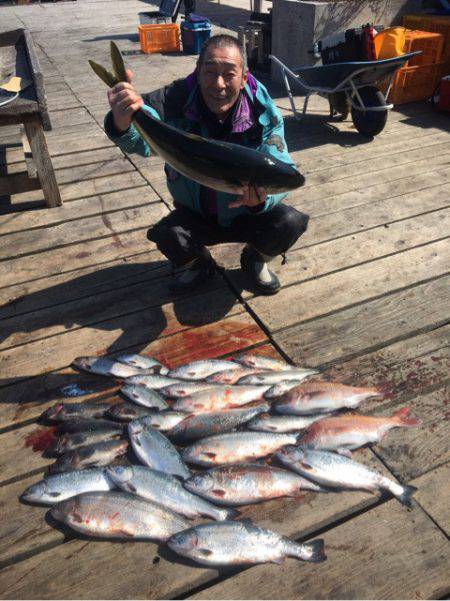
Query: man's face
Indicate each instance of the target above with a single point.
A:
(221, 79)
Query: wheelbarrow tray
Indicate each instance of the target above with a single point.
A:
(337, 76)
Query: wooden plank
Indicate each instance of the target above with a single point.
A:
(369, 326)
(317, 253)
(409, 453)
(54, 262)
(124, 298)
(89, 157)
(347, 156)
(58, 289)
(16, 457)
(83, 208)
(62, 234)
(112, 335)
(373, 165)
(413, 564)
(433, 496)
(82, 189)
(360, 196)
(348, 287)
(164, 578)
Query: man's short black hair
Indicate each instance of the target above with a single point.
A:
(223, 41)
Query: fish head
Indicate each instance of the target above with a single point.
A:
(290, 453)
(183, 542)
(52, 412)
(120, 474)
(35, 492)
(201, 483)
(85, 363)
(63, 510)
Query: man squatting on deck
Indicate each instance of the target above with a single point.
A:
(223, 101)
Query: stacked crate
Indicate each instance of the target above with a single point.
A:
(419, 79)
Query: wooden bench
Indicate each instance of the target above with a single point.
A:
(29, 109)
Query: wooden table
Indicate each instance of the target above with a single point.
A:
(30, 110)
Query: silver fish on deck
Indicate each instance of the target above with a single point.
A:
(278, 389)
(231, 376)
(142, 362)
(154, 381)
(261, 362)
(155, 450)
(185, 389)
(248, 483)
(166, 490)
(165, 421)
(271, 377)
(95, 455)
(56, 488)
(105, 366)
(213, 163)
(236, 543)
(350, 432)
(333, 470)
(199, 370)
(65, 411)
(118, 515)
(146, 397)
(86, 424)
(322, 397)
(199, 425)
(265, 422)
(70, 442)
(219, 398)
(236, 447)
(126, 412)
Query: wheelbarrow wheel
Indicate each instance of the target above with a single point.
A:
(369, 123)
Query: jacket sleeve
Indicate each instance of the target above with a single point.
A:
(274, 144)
(164, 103)
(130, 141)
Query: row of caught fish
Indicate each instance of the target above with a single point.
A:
(156, 451)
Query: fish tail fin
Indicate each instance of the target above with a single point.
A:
(117, 62)
(231, 514)
(405, 496)
(313, 551)
(403, 420)
(104, 74)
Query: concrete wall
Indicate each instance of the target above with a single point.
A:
(297, 24)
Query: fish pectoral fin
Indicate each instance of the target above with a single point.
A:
(205, 552)
(123, 532)
(305, 465)
(54, 494)
(210, 454)
(132, 488)
(278, 560)
(218, 492)
(344, 452)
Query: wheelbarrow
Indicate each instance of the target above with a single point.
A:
(353, 82)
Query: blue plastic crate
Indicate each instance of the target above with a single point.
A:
(194, 34)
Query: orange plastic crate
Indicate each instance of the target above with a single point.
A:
(435, 24)
(415, 83)
(164, 37)
(429, 43)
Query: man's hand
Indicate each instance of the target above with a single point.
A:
(124, 101)
(251, 197)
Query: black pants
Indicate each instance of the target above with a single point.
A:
(181, 235)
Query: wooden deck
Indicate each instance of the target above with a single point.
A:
(365, 298)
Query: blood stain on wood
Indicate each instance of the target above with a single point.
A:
(41, 439)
